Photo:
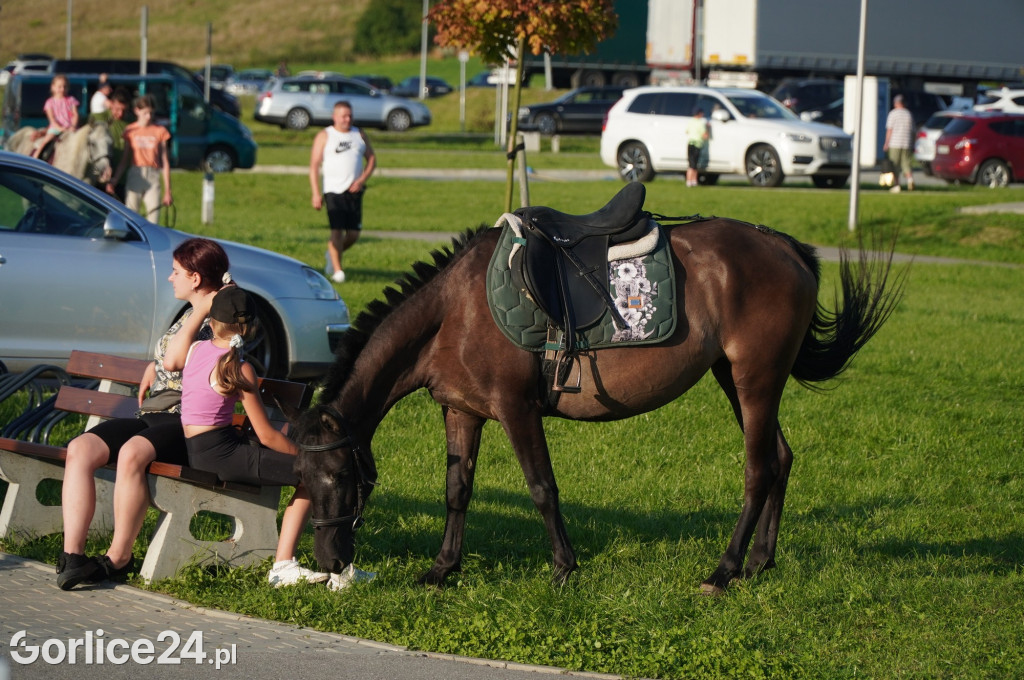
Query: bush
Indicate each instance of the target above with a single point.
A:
(390, 27)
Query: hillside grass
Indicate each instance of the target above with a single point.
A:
(902, 543)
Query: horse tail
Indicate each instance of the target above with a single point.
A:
(870, 295)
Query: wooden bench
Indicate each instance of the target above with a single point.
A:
(177, 492)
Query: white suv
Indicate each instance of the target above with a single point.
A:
(751, 133)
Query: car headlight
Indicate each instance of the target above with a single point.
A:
(798, 137)
(524, 112)
(321, 287)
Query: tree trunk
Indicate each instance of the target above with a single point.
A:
(513, 132)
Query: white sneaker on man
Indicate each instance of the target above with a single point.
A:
(338, 276)
(348, 576)
(290, 572)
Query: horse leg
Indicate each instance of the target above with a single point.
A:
(762, 553)
(756, 410)
(462, 431)
(526, 432)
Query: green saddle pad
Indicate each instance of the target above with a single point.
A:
(643, 289)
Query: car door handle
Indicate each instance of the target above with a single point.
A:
(3, 260)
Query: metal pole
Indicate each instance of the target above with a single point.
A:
(858, 120)
(423, 51)
(144, 30)
(209, 62)
(67, 46)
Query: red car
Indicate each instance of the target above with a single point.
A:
(985, 148)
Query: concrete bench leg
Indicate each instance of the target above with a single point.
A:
(173, 546)
(23, 516)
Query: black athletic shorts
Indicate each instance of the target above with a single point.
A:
(345, 211)
(162, 430)
(227, 453)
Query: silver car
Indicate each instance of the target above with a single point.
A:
(78, 270)
(300, 101)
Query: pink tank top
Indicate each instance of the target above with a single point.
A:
(200, 403)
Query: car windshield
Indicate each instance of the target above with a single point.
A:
(754, 105)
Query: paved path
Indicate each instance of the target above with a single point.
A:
(255, 649)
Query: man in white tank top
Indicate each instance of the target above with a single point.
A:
(347, 160)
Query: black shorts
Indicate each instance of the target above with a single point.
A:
(345, 211)
(693, 153)
(162, 430)
(227, 453)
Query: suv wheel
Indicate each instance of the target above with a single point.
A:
(829, 181)
(546, 124)
(399, 120)
(763, 167)
(297, 119)
(635, 163)
(993, 173)
(219, 159)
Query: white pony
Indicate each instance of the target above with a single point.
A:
(84, 153)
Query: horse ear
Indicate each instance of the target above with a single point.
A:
(329, 423)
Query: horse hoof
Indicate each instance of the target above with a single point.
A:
(711, 590)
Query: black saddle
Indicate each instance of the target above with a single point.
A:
(564, 260)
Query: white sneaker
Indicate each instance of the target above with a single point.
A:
(348, 576)
(289, 572)
(338, 276)
(895, 189)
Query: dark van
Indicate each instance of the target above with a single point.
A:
(200, 136)
(222, 101)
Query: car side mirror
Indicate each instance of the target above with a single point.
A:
(115, 227)
(721, 115)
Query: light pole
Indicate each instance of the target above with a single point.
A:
(67, 47)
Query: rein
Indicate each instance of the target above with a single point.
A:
(347, 440)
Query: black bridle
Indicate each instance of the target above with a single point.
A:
(346, 441)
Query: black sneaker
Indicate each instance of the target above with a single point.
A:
(105, 569)
(73, 568)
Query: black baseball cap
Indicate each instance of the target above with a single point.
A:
(232, 305)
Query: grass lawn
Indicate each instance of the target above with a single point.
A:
(902, 543)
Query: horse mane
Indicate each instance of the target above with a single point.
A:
(355, 339)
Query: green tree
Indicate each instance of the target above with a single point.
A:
(496, 29)
(389, 27)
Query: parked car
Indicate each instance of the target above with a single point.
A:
(751, 134)
(1003, 99)
(984, 148)
(829, 114)
(298, 102)
(927, 134)
(248, 81)
(219, 99)
(81, 271)
(410, 87)
(801, 94)
(219, 75)
(580, 110)
(201, 137)
(382, 84)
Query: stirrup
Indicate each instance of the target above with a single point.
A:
(563, 367)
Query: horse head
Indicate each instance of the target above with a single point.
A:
(339, 472)
(101, 148)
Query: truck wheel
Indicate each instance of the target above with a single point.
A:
(635, 163)
(588, 78)
(220, 159)
(546, 124)
(829, 181)
(399, 120)
(763, 167)
(297, 119)
(993, 173)
(626, 79)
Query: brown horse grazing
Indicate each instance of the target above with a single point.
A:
(748, 310)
